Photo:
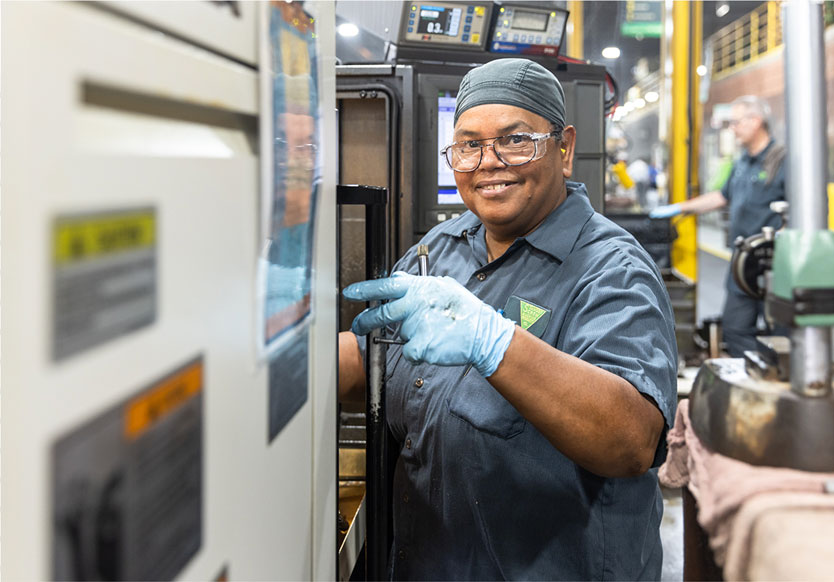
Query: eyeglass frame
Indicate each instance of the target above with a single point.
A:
(536, 137)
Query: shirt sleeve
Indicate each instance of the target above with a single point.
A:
(621, 320)
(725, 189)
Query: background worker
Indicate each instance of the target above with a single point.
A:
(540, 462)
(757, 179)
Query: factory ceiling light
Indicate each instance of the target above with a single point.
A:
(611, 52)
(347, 29)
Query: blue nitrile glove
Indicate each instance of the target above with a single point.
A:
(444, 322)
(665, 211)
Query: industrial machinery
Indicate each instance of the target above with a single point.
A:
(775, 406)
(148, 434)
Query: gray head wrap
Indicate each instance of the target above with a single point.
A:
(517, 82)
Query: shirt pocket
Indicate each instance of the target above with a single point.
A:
(478, 404)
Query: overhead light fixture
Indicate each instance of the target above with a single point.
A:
(611, 52)
(347, 29)
(639, 103)
(651, 96)
(701, 70)
(721, 9)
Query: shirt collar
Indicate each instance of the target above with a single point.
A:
(760, 155)
(556, 235)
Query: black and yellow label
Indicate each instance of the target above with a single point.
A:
(99, 235)
(143, 411)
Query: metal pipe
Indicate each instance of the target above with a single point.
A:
(376, 462)
(806, 170)
(805, 112)
(377, 480)
(811, 361)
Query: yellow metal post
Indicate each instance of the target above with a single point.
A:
(695, 107)
(685, 247)
(576, 33)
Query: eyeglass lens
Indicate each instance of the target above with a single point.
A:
(512, 150)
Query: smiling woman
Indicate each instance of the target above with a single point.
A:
(567, 324)
(511, 200)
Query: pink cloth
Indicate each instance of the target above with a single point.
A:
(722, 485)
(782, 536)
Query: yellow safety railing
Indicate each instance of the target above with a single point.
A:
(746, 40)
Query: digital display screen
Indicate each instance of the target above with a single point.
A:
(524, 20)
(447, 192)
(449, 196)
(439, 20)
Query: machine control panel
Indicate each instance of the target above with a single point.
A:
(445, 24)
(528, 30)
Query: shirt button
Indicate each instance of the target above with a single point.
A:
(481, 276)
(402, 554)
(408, 443)
(405, 497)
(418, 382)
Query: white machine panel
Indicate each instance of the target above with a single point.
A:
(104, 117)
(228, 27)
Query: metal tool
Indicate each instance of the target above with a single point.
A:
(423, 260)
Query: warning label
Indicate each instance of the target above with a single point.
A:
(105, 279)
(128, 485)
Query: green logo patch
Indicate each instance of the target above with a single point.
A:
(530, 314)
(534, 318)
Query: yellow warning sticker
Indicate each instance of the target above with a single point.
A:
(530, 314)
(168, 395)
(98, 235)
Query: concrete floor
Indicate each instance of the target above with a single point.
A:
(713, 258)
(671, 535)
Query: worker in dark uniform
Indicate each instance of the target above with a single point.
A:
(540, 462)
(757, 179)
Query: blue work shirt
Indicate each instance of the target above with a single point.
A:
(481, 494)
(750, 190)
